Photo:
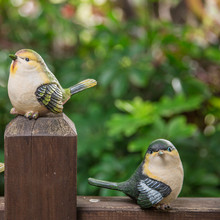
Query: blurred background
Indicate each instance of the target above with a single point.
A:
(157, 64)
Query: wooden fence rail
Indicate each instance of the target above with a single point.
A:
(40, 180)
(123, 208)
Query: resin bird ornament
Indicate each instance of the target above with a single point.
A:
(34, 90)
(157, 181)
(2, 167)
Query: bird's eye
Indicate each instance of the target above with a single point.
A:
(150, 152)
(169, 149)
(27, 59)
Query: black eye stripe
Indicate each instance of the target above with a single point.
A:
(158, 148)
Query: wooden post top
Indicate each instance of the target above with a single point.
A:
(56, 125)
(41, 168)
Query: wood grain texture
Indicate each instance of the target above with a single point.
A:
(2, 208)
(121, 208)
(40, 174)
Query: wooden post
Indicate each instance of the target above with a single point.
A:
(40, 174)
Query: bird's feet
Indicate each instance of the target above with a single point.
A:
(31, 115)
(13, 111)
(162, 206)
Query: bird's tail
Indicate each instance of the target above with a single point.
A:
(2, 167)
(104, 184)
(85, 84)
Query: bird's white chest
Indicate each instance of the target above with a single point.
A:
(21, 91)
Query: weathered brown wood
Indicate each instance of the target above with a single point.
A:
(40, 175)
(120, 208)
(123, 208)
(2, 208)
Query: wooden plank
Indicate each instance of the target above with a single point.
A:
(123, 208)
(40, 175)
(2, 208)
(89, 208)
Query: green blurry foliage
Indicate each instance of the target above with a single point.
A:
(156, 79)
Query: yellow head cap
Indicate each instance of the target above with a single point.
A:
(26, 59)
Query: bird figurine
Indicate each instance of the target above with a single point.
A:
(2, 167)
(34, 90)
(158, 179)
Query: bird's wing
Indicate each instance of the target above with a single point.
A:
(151, 192)
(50, 95)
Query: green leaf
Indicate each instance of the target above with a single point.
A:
(126, 124)
(140, 114)
(139, 76)
(215, 101)
(136, 107)
(168, 106)
(178, 128)
(107, 76)
(194, 87)
(119, 85)
(213, 54)
(152, 132)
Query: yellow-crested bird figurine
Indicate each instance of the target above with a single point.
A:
(34, 90)
(157, 181)
(2, 167)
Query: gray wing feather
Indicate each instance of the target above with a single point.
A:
(151, 192)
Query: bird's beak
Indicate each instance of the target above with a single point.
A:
(160, 153)
(13, 57)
